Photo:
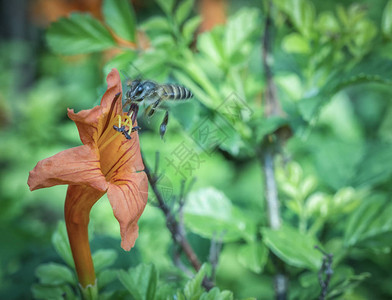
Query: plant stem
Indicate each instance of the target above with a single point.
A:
(272, 108)
(176, 228)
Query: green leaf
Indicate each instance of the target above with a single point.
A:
(120, 17)
(293, 247)
(370, 69)
(120, 62)
(209, 212)
(104, 258)
(190, 27)
(53, 292)
(253, 256)
(54, 274)
(345, 284)
(240, 28)
(295, 43)
(370, 225)
(183, 10)
(301, 12)
(386, 21)
(105, 277)
(375, 166)
(167, 6)
(156, 24)
(210, 43)
(193, 288)
(265, 126)
(61, 244)
(216, 294)
(80, 33)
(141, 281)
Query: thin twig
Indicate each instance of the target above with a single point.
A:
(272, 108)
(175, 227)
(215, 249)
(326, 268)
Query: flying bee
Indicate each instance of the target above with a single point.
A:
(153, 94)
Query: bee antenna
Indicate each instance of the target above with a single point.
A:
(139, 76)
(127, 78)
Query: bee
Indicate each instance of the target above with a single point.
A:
(154, 95)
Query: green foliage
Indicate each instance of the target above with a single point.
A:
(119, 15)
(140, 282)
(209, 213)
(331, 63)
(193, 289)
(61, 244)
(80, 33)
(292, 247)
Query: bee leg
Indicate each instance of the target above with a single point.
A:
(162, 128)
(149, 111)
(133, 111)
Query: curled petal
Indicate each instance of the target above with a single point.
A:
(110, 107)
(128, 198)
(79, 165)
(87, 122)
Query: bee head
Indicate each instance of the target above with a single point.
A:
(135, 89)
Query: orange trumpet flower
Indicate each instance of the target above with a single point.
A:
(107, 162)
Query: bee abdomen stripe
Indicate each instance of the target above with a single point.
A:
(180, 93)
(188, 93)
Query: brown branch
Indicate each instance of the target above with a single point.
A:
(175, 227)
(272, 108)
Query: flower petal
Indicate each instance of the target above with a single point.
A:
(87, 122)
(93, 122)
(78, 165)
(128, 198)
(110, 104)
(122, 155)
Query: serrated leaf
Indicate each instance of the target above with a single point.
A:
(141, 281)
(80, 33)
(386, 21)
(54, 274)
(193, 288)
(120, 17)
(183, 10)
(104, 258)
(61, 244)
(293, 247)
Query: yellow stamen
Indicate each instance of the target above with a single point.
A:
(124, 120)
(109, 141)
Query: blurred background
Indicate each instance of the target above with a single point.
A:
(331, 67)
